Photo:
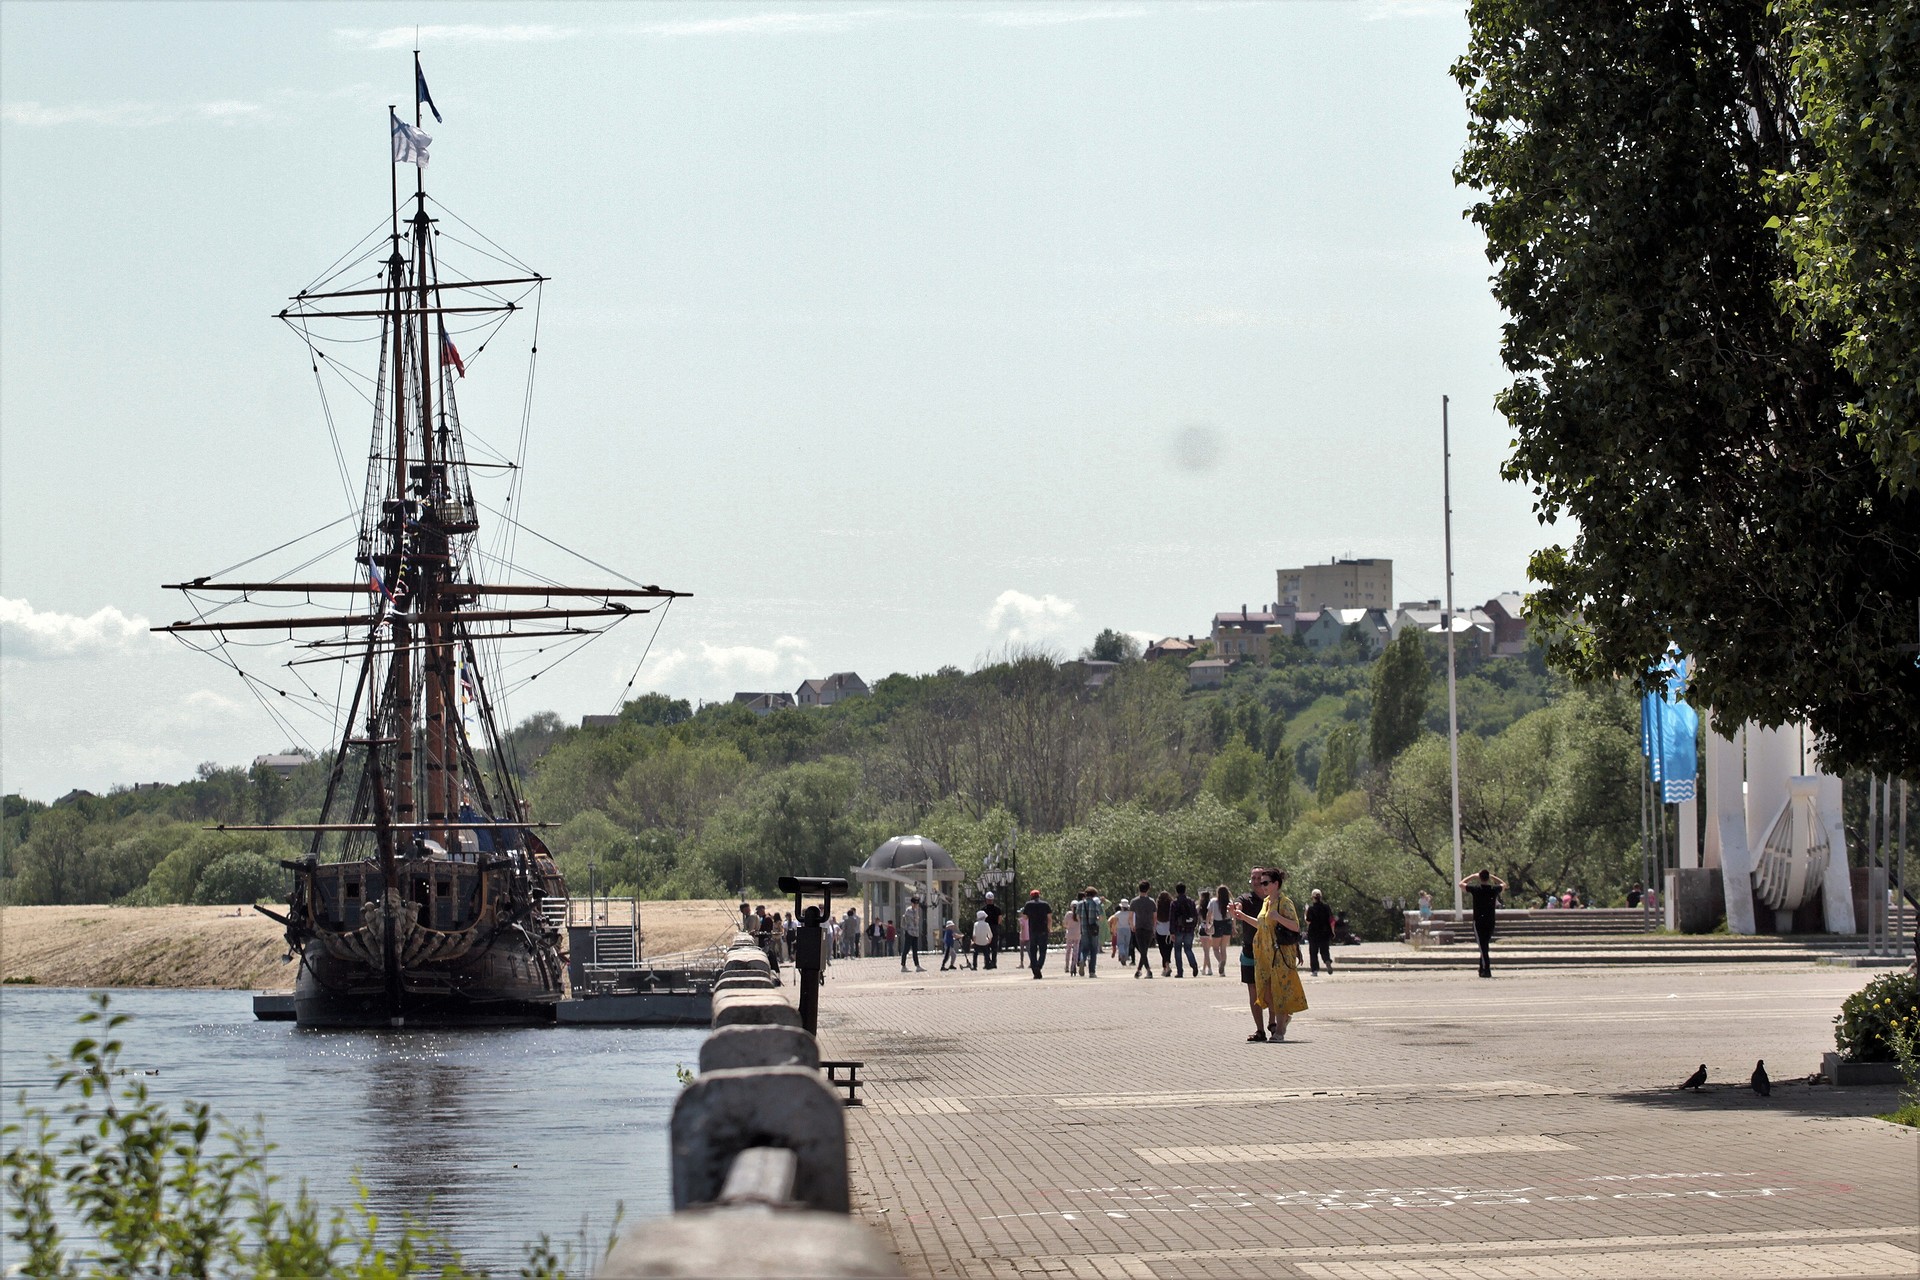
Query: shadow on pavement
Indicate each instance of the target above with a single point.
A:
(1795, 1096)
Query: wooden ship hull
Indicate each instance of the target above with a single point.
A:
(469, 947)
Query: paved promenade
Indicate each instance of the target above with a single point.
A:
(1425, 1124)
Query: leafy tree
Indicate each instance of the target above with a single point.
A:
(177, 876)
(1400, 680)
(1112, 646)
(657, 709)
(1852, 216)
(1664, 400)
(241, 877)
(269, 793)
(1340, 765)
(1238, 778)
(49, 867)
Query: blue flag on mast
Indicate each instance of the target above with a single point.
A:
(420, 93)
(1669, 732)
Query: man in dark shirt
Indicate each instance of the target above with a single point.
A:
(1319, 924)
(993, 920)
(1185, 918)
(1039, 919)
(1143, 909)
(1485, 891)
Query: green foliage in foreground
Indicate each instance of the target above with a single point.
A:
(154, 1193)
(1870, 1018)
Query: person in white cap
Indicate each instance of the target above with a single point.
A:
(982, 936)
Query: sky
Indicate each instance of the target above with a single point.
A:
(898, 334)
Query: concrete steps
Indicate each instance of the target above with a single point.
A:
(1608, 951)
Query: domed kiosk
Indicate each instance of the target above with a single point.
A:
(898, 870)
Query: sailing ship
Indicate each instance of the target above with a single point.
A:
(425, 896)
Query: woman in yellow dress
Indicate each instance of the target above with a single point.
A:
(1276, 964)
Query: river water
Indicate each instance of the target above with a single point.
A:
(490, 1136)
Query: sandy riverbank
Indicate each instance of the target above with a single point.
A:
(213, 947)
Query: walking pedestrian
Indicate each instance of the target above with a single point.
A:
(1091, 910)
(1319, 933)
(850, 934)
(1070, 928)
(1219, 930)
(1143, 924)
(1186, 917)
(1276, 955)
(1426, 906)
(949, 943)
(1485, 890)
(1120, 930)
(993, 922)
(910, 934)
(1038, 918)
(982, 936)
(1163, 931)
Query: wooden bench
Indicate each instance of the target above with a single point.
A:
(850, 1081)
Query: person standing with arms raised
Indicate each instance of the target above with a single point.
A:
(1485, 890)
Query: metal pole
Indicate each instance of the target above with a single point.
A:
(1876, 915)
(1900, 890)
(1646, 849)
(1453, 704)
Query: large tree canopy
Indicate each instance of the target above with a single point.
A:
(1852, 221)
(1667, 397)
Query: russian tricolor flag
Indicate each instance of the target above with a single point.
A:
(449, 354)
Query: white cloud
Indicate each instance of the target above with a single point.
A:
(735, 665)
(1059, 15)
(1024, 618)
(131, 115)
(33, 635)
(1414, 8)
(454, 33)
(773, 23)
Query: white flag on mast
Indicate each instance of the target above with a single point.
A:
(409, 144)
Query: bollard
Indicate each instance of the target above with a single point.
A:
(743, 1045)
(751, 1240)
(722, 1113)
(743, 982)
(732, 1008)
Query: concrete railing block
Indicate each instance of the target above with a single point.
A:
(742, 980)
(753, 1008)
(734, 1048)
(723, 1113)
(794, 1244)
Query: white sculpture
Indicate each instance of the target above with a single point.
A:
(1774, 826)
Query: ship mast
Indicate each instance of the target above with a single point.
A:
(417, 531)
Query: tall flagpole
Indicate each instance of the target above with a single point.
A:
(1453, 704)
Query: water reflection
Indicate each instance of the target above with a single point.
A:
(494, 1136)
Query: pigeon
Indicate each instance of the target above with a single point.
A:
(1695, 1080)
(1761, 1085)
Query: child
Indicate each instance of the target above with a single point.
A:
(982, 939)
(949, 943)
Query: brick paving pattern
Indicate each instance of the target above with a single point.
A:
(1413, 1124)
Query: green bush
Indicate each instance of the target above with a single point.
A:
(158, 1194)
(1862, 1032)
(241, 878)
